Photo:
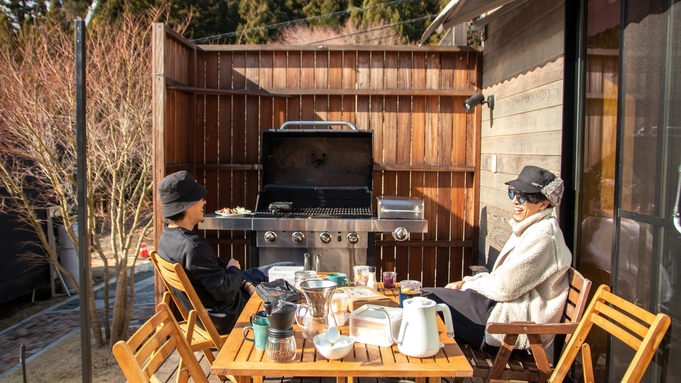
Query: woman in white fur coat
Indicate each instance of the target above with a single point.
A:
(529, 279)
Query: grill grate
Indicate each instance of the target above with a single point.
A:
(321, 212)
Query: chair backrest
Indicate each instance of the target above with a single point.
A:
(141, 356)
(174, 276)
(633, 325)
(578, 296)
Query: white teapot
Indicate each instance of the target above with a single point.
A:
(418, 335)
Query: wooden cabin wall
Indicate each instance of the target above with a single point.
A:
(523, 68)
(217, 100)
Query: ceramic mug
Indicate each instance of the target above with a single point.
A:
(341, 279)
(259, 327)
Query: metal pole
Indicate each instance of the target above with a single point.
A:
(81, 177)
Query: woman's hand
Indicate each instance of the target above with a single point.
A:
(455, 285)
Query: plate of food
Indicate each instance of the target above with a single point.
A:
(232, 212)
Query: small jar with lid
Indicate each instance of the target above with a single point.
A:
(281, 345)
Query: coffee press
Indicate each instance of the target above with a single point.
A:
(281, 344)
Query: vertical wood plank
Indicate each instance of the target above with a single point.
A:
(349, 81)
(335, 112)
(307, 82)
(293, 76)
(279, 73)
(431, 131)
(321, 81)
(404, 126)
(208, 135)
(446, 130)
(390, 109)
(239, 134)
(444, 233)
(266, 103)
(418, 122)
(416, 254)
(430, 188)
(363, 82)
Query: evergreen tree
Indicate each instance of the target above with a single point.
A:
(326, 13)
(259, 16)
(207, 18)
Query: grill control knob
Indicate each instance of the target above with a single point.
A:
(270, 236)
(297, 237)
(325, 237)
(353, 237)
(401, 234)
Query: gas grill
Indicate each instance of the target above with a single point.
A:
(316, 197)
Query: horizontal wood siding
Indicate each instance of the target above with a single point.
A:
(523, 70)
(425, 145)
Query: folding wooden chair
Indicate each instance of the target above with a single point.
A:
(532, 365)
(201, 338)
(141, 356)
(634, 326)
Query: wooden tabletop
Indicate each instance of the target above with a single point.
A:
(241, 359)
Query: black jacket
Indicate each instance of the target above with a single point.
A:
(218, 286)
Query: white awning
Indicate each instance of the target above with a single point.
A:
(460, 11)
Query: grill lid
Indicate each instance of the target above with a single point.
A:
(317, 168)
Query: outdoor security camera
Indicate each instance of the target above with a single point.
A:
(477, 99)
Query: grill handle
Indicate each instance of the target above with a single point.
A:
(318, 123)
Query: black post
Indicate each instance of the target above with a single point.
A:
(81, 177)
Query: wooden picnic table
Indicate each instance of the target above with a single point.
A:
(241, 359)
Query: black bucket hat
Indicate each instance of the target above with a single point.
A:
(533, 179)
(178, 192)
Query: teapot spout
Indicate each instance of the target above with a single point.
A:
(390, 324)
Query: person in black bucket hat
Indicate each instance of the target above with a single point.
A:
(222, 287)
(528, 281)
(178, 192)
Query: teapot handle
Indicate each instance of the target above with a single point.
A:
(448, 318)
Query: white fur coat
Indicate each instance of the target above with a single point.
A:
(529, 279)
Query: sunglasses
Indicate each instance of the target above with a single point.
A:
(523, 197)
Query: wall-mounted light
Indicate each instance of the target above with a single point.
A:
(477, 99)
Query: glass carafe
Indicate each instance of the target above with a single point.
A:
(316, 317)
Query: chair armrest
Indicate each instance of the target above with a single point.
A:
(530, 328)
(191, 323)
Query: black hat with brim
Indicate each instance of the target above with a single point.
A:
(532, 179)
(178, 192)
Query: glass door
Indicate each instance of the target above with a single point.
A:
(631, 162)
(647, 245)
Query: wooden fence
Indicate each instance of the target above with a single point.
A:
(211, 103)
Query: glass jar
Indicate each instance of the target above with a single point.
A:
(281, 345)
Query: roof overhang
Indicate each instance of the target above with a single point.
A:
(460, 11)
